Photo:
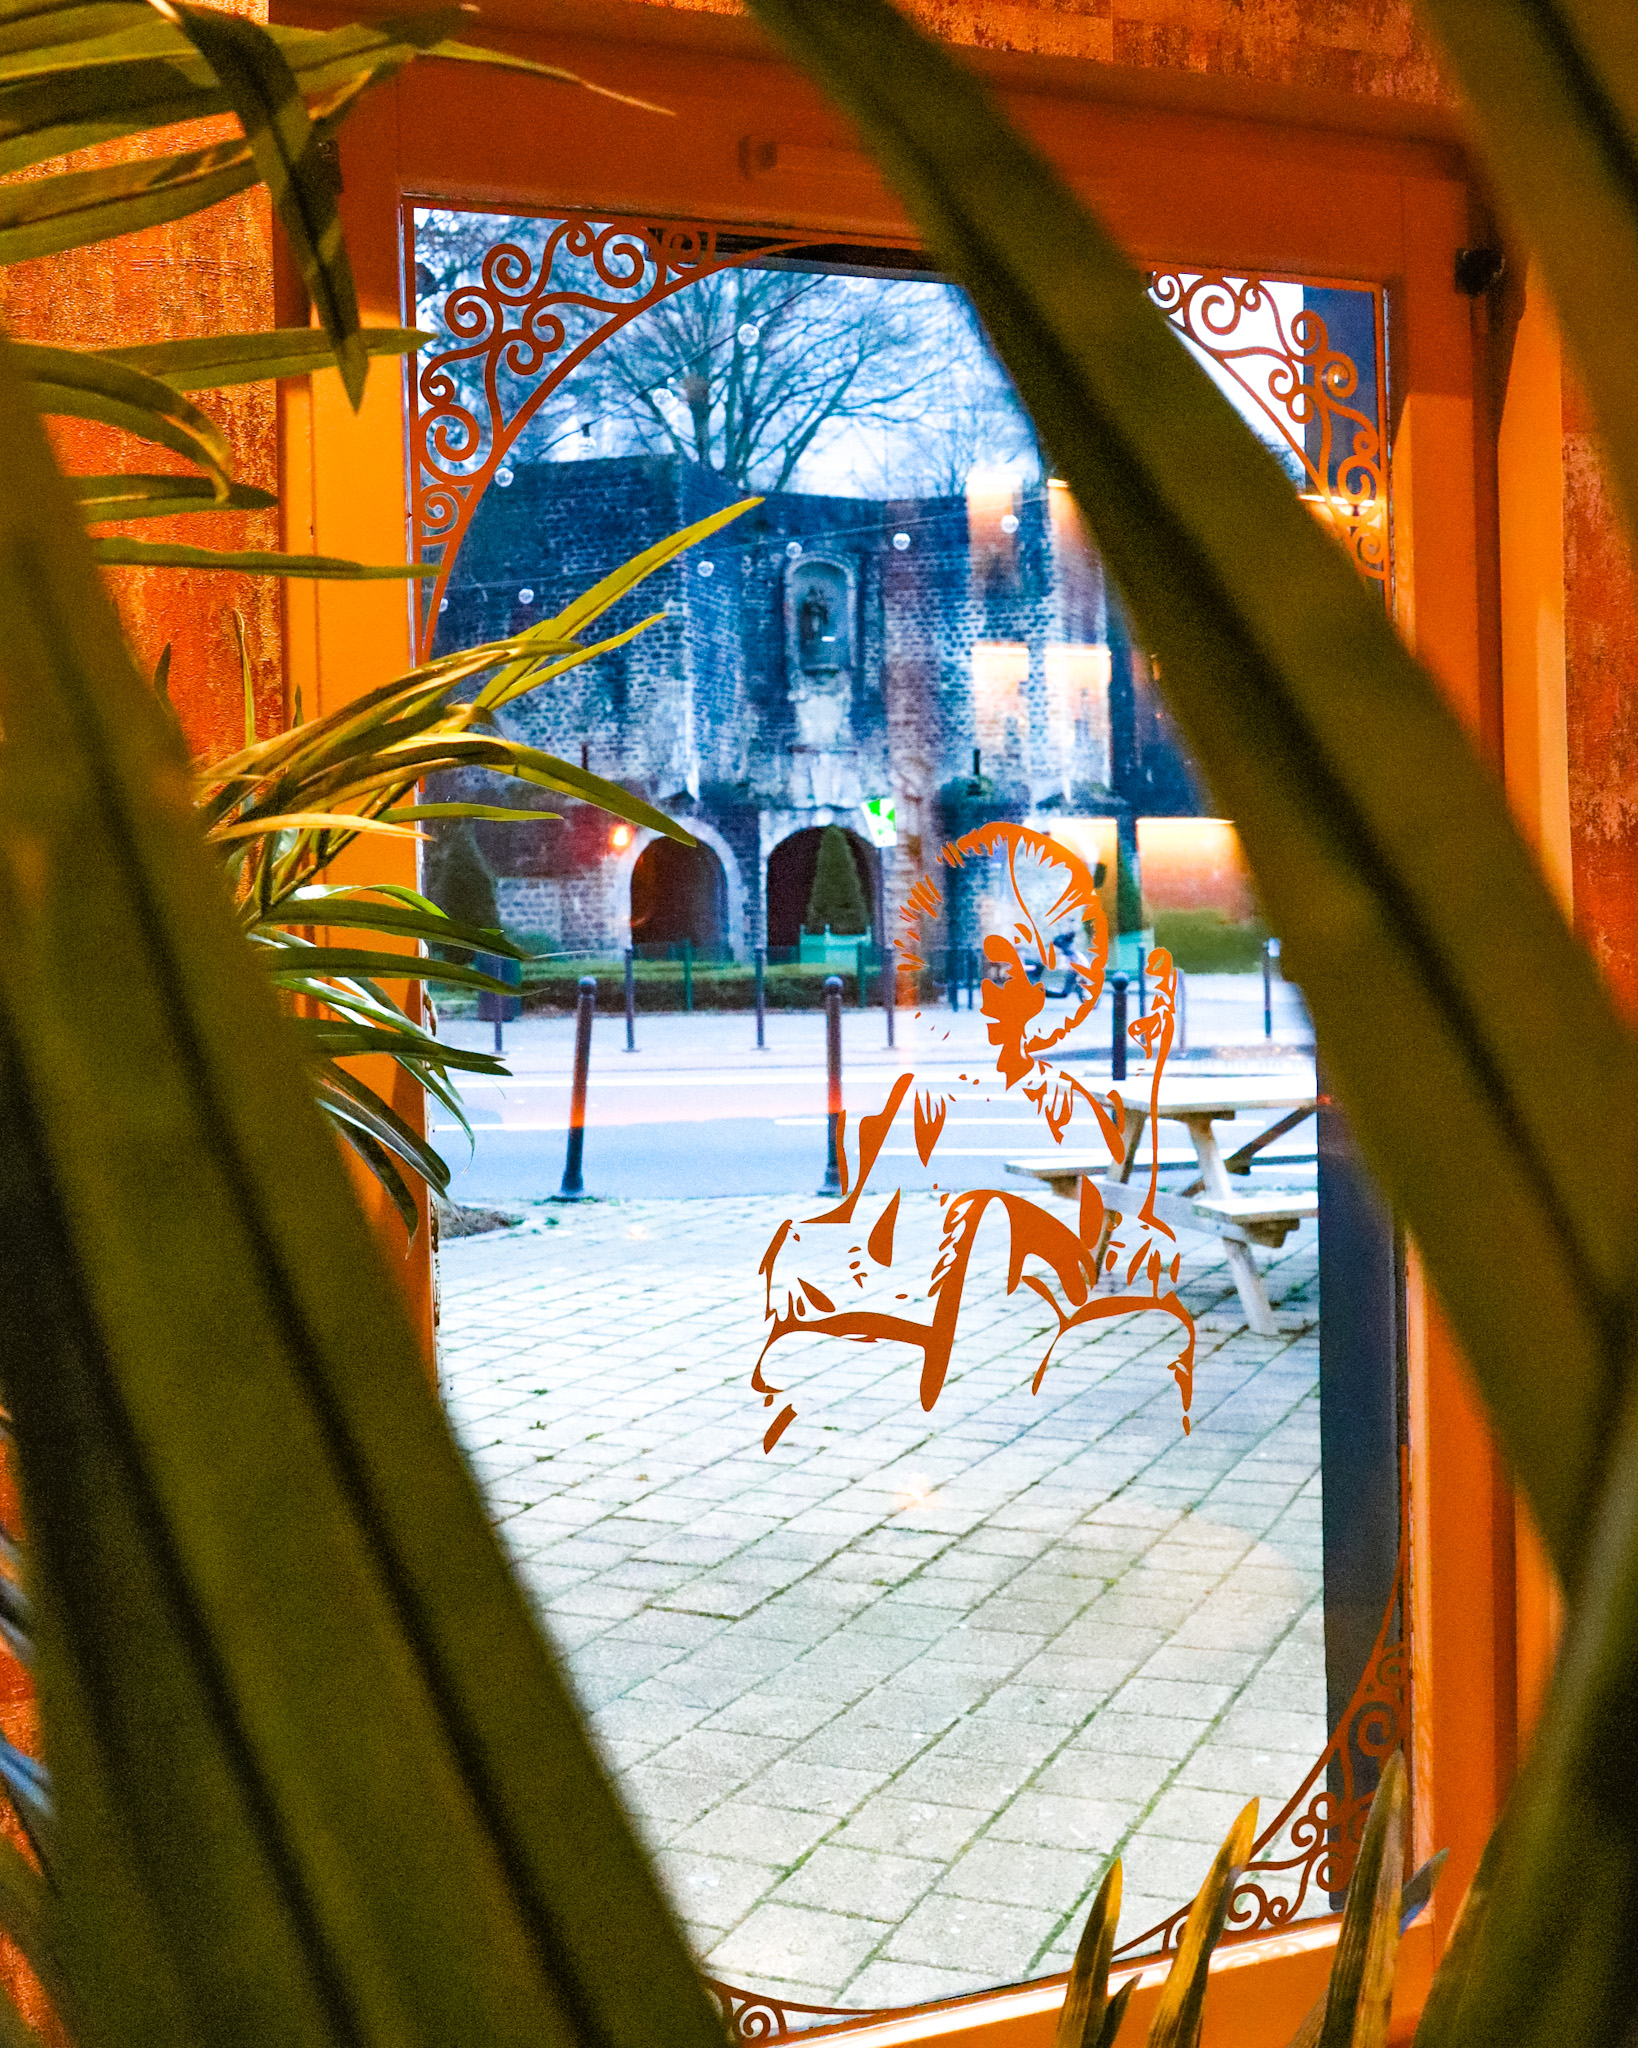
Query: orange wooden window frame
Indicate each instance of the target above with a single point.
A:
(1189, 171)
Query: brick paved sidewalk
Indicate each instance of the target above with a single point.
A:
(885, 1701)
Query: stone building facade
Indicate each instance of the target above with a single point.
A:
(959, 655)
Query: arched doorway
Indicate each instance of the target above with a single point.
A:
(791, 868)
(677, 893)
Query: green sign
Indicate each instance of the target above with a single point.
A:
(881, 821)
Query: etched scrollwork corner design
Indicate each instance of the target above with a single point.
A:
(754, 2016)
(514, 334)
(1307, 390)
(1310, 1848)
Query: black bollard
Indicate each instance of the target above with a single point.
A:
(833, 1082)
(631, 999)
(883, 949)
(761, 997)
(573, 1187)
(952, 974)
(972, 973)
(494, 1006)
(1117, 1046)
(1268, 993)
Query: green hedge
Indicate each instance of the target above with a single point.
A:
(660, 988)
(553, 986)
(1206, 942)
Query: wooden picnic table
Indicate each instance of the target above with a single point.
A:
(1210, 1205)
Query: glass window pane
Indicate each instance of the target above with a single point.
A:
(892, 1645)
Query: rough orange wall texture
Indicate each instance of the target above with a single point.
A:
(1601, 683)
(1367, 47)
(209, 274)
(196, 276)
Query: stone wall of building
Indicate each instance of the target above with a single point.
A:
(969, 638)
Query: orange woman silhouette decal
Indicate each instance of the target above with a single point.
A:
(1058, 1263)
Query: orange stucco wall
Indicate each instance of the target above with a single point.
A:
(1601, 676)
(209, 274)
(1353, 46)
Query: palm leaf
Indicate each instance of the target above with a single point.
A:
(26, 1918)
(1090, 2018)
(357, 1111)
(251, 68)
(158, 497)
(1359, 1996)
(79, 384)
(56, 100)
(1176, 2023)
(353, 1041)
(42, 216)
(593, 604)
(1441, 2024)
(336, 822)
(31, 25)
(317, 1776)
(212, 361)
(165, 554)
(15, 2031)
(343, 908)
(28, 1789)
(291, 959)
(277, 807)
(401, 814)
(1402, 892)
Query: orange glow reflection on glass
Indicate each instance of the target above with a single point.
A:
(1073, 1258)
(620, 837)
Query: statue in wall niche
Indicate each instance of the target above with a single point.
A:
(813, 617)
(821, 660)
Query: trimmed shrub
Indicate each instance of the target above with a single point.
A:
(837, 900)
(457, 876)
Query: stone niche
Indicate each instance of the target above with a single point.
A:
(821, 662)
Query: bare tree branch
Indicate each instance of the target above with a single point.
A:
(769, 377)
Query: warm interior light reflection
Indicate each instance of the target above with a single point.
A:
(1077, 681)
(620, 837)
(1000, 671)
(917, 1492)
(1194, 864)
(990, 501)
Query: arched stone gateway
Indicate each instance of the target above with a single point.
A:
(791, 867)
(677, 893)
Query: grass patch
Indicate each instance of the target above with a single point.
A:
(1206, 942)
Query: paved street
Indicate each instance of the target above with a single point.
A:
(885, 1701)
(767, 1108)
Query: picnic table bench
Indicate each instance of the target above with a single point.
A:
(1210, 1205)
